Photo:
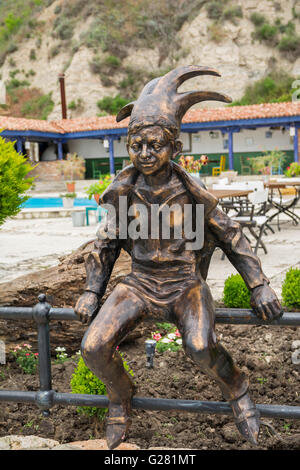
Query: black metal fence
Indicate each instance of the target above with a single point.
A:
(45, 398)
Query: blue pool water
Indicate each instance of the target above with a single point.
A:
(45, 202)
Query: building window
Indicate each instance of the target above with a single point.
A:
(214, 134)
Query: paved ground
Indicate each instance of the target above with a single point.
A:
(29, 245)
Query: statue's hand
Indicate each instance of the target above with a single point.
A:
(265, 303)
(87, 307)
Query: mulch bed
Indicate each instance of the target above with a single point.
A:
(263, 351)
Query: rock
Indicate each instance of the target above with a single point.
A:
(230, 433)
(296, 357)
(268, 337)
(66, 447)
(4, 444)
(26, 443)
(296, 344)
(100, 444)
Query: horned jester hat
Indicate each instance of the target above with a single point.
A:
(159, 104)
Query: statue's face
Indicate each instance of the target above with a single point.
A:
(150, 149)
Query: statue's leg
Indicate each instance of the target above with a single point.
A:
(119, 315)
(195, 317)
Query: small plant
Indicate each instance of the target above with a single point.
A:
(291, 288)
(26, 359)
(293, 170)
(191, 165)
(61, 355)
(69, 195)
(85, 382)
(236, 293)
(262, 380)
(171, 341)
(73, 105)
(287, 427)
(74, 165)
(99, 187)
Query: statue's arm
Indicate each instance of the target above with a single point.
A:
(99, 265)
(230, 238)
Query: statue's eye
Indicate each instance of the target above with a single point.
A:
(156, 147)
(135, 147)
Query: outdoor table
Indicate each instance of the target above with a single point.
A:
(229, 193)
(284, 208)
(87, 210)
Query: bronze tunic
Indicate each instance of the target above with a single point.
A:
(162, 268)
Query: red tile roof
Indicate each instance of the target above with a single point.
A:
(20, 124)
(226, 113)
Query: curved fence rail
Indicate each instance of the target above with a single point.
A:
(46, 398)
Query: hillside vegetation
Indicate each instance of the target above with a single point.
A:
(109, 49)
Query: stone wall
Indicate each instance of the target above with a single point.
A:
(58, 171)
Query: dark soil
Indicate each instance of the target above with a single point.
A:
(263, 351)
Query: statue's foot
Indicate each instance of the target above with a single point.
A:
(117, 425)
(246, 418)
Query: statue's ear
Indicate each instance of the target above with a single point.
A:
(177, 148)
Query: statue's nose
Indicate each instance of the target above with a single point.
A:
(145, 151)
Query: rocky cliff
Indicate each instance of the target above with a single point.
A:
(114, 50)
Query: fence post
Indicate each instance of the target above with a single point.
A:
(41, 316)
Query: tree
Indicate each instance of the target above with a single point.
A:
(13, 181)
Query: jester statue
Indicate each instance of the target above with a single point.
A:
(168, 273)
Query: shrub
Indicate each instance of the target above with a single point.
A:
(275, 87)
(232, 13)
(13, 181)
(112, 61)
(267, 33)
(63, 28)
(258, 19)
(236, 293)
(112, 105)
(215, 10)
(290, 44)
(32, 55)
(38, 107)
(291, 288)
(83, 381)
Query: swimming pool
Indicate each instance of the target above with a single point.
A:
(46, 202)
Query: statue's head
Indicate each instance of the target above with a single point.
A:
(155, 118)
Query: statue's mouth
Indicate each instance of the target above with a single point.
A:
(147, 163)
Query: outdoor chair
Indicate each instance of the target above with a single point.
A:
(217, 170)
(96, 171)
(284, 200)
(252, 215)
(245, 169)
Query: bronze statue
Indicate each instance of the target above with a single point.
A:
(166, 277)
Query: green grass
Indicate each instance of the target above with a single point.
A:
(39, 107)
(17, 22)
(274, 88)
